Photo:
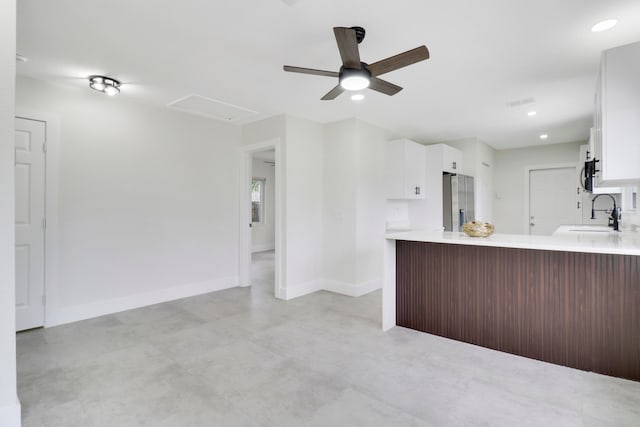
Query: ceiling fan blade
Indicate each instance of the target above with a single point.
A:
(348, 46)
(333, 93)
(384, 86)
(310, 71)
(398, 61)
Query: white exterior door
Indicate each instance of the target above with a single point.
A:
(552, 199)
(30, 215)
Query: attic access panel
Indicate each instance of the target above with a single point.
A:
(211, 108)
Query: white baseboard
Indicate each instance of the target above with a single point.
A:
(344, 288)
(61, 315)
(10, 416)
(301, 289)
(352, 289)
(263, 247)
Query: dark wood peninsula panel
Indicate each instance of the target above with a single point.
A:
(569, 308)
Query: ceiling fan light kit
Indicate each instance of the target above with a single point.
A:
(355, 75)
(351, 79)
(105, 85)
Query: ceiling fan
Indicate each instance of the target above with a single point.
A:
(357, 75)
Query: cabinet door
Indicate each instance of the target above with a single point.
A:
(414, 170)
(405, 170)
(620, 114)
(451, 160)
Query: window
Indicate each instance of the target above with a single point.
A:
(257, 200)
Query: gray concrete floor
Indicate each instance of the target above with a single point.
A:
(242, 358)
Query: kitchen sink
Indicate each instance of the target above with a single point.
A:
(591, 229)
(579, 228)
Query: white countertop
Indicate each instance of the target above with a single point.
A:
(627, 243)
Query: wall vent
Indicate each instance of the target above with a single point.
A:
(211, 108)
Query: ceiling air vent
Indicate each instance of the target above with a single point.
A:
(521, 102)
(211, 108)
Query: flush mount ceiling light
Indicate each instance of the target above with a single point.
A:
(104, 84)
(357, 97)
(544, 136)
(352, 79)
(531, 113)
(604, 25)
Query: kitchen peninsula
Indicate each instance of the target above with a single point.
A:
(572, 300)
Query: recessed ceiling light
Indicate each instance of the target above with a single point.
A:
(357, 97)
(544, 136)
(531, 113)
(604, 25)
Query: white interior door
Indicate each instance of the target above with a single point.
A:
(30, 215)
(552, 199)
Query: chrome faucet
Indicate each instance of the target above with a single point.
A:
(614, 218)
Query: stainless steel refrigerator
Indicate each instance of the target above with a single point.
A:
(457, 201)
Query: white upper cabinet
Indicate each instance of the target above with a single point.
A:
(616, 137)
(405, 174)
(444, 158)
(451, 159)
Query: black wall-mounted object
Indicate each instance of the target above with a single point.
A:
(589, 173)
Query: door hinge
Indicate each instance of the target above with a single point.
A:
(578, 205)
(44, 147)
(44, 300)
(44, 223)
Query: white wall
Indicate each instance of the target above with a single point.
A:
(354, 205)
(301, 149)
(631, 220)
(304, 186)
(339, 210)
(509, 176)
(370, 204)
(9, 406)
(148, 202)
(263, 237)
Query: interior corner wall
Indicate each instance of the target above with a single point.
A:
(509, 180)
(339, 210)
(354, 205)
(263, 236)
(148, 201)
(266, 129)
(304, 201)
(371, 201)
(9, 405)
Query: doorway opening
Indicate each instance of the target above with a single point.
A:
(261, 243)
(263, 233)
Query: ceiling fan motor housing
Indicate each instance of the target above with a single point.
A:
(360, 32)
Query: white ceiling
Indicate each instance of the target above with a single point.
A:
(484, 54)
